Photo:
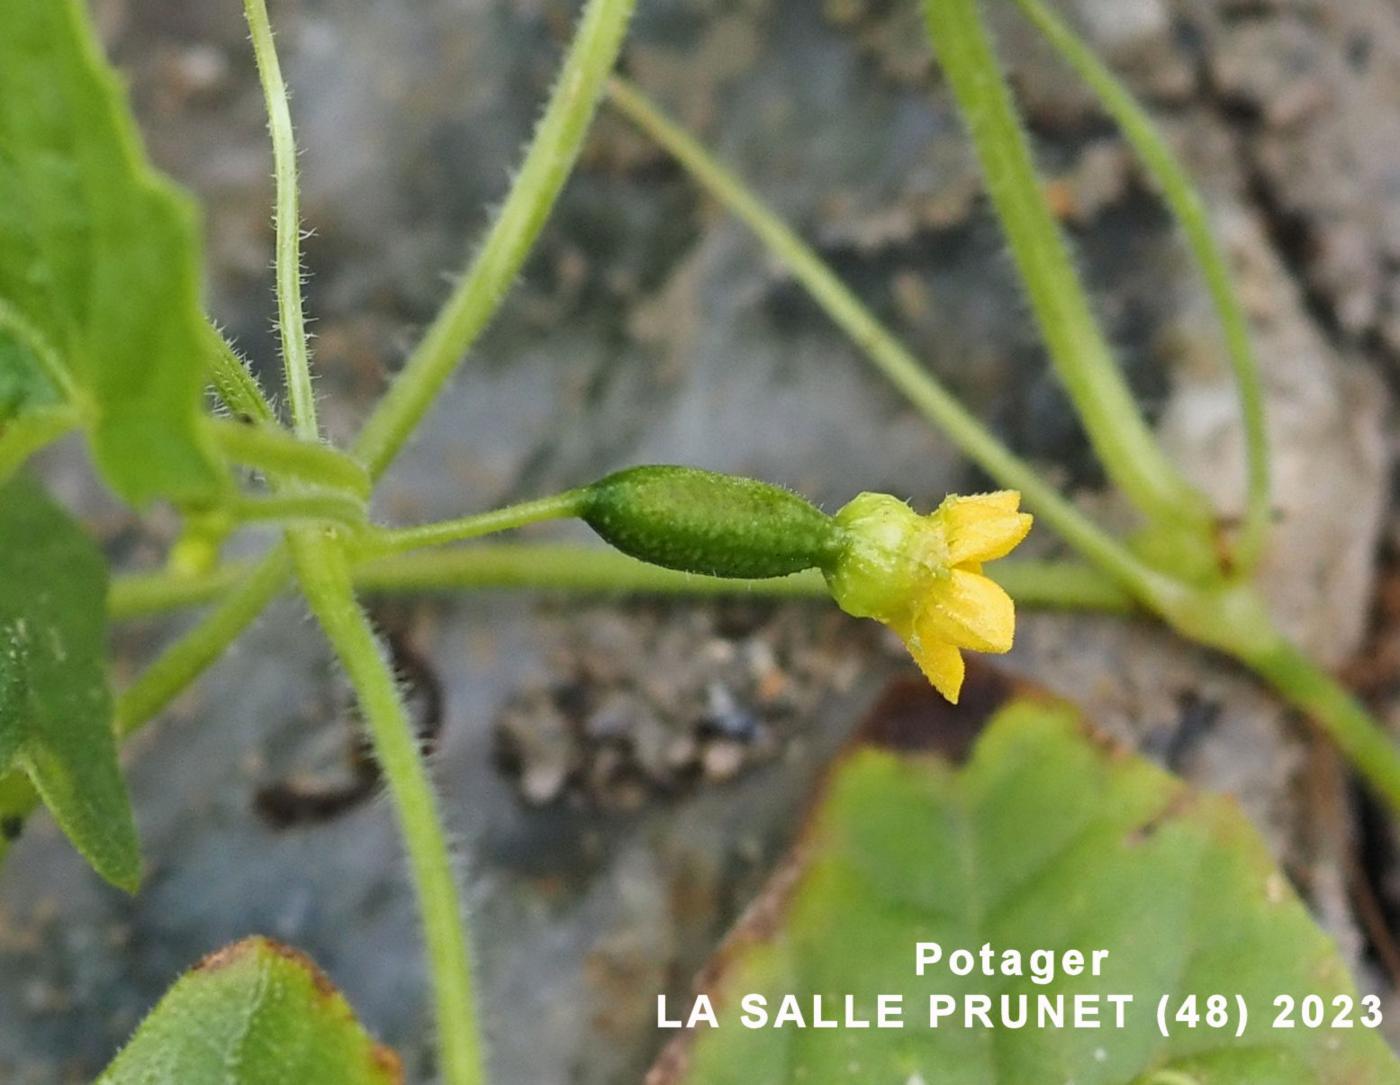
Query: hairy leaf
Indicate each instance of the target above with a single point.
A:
(55, 708)
(255, 1013)
(1046, 839)
(98, 258)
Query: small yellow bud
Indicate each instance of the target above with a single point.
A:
(197, 549)
(922, 575)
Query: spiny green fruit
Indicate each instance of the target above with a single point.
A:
(703, 522)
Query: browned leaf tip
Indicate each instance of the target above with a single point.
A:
(386, 1062)
(258, 945)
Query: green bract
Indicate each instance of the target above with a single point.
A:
(55, 709)
(254, 1013)
(99, 265)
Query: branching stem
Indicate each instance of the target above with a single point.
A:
(1183, 199)
(1226, 615)
(317, 506)
(1077, 346)
(887, 354)
(556, 507)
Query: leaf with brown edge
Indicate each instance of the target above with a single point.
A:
(254, 1013)
(1047, 837)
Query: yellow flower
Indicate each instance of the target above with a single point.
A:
(922, 575)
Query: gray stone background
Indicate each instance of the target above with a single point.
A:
(621, 775)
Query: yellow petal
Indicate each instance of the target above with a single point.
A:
(942, 665)
(967, 610)
(983, 527)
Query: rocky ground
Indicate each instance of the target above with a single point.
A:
(620, 775)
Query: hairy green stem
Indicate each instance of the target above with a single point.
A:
(320, 506)
(391, 541)
(551, 156)
(276, 452)
(889, 356)
(325, 579)
(1077, 346)
(1184, 200)
(139, 595)
(295, 354)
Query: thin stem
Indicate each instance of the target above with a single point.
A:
(1077, 346)
(325, 578)
(1060, 585)
(1044, 584)
(295, 354)
(1336, 711)
(188, 657)
(551, 156)
(276, 452)
(1184, 200)
(237, 387)
(588, 570)
(556, 507)
(137, 595)
(560, 568)
(890, 357)
(316, 506)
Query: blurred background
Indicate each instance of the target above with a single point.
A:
(621, 775)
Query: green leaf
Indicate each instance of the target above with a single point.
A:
(55, 708)
(24, 384)
(255, 1013)
(1050, 839)
(99, 257)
